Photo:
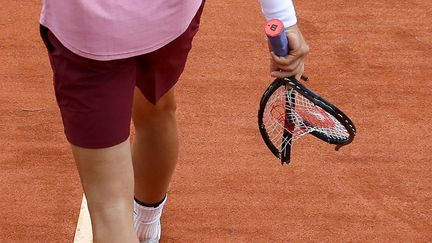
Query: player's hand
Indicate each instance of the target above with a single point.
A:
(293, 64)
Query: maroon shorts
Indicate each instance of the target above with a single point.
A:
(95, 97)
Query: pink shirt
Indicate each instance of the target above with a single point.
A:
(115, 29)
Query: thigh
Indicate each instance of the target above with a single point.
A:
(158, 71)
(94, 97)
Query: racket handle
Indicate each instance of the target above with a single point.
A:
(275, 32)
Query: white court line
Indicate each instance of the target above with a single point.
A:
(83, 232)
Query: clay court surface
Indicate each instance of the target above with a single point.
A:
(371, 58)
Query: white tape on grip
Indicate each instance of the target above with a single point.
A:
(279, 9)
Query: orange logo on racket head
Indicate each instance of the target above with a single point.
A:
(274, 27)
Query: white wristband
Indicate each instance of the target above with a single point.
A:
(279, 9)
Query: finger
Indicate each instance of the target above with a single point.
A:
(286, 60)
(294, 41)
(294, 68)
(297, 44)
(283, 74)
(289, 62)
(299, 75)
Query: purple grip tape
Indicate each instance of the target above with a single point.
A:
(276, 34)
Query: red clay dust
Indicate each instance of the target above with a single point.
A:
(373, 59)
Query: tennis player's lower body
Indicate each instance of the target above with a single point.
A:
(97, 100)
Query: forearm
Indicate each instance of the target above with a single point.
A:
(279, 9)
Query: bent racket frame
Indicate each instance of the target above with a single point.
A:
(291, 110)
(291, 86)
(288, 123)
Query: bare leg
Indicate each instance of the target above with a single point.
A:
(107, 179)
(155, 146)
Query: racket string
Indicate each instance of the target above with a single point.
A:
(299, 116)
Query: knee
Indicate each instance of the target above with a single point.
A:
(163, 111)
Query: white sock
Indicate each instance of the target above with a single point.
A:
(147, 221)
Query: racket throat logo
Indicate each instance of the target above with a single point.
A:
(289, 125)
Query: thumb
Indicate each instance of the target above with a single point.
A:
(293, 42)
